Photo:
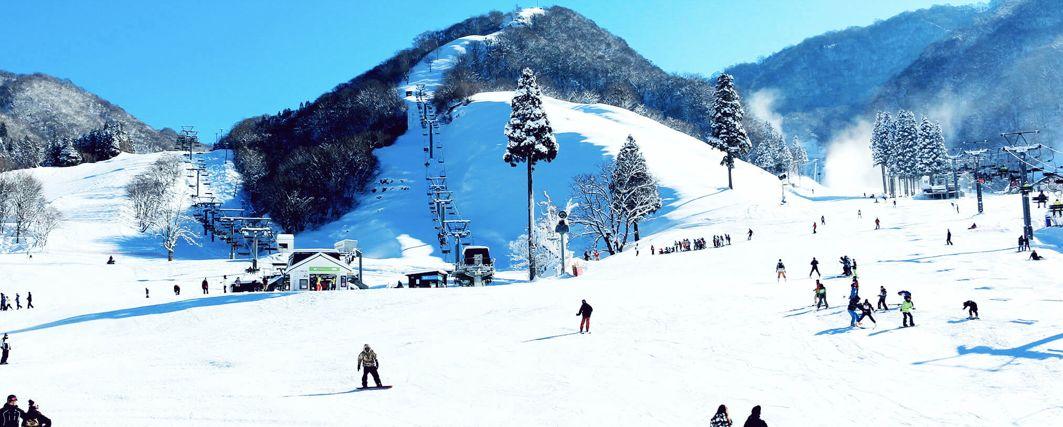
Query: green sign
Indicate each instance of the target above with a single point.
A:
(324, 269)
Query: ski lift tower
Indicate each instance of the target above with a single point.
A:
(1020, 152)
(253, 234)
(349, 249)
(458, 229)
(978, 178)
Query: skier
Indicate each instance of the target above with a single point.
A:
(727, 237)
(854, 288)
(948, 237)
(823, 219)
(10, 414)
(721, 419)
(854, 302)
(176, 290)
(18, 302)
(147, 293)
(877, 223)
(368, 359)
(34, 414)
(860, 214)
(972, 309)
(653, 251)
(585, 311)
(813, 227)
(780, 271)
(865, 311)
(906, 311)
(882, 299)
(815, 268)
(29, 300)
(749, 235)
(5, 350)
(821, 295)
(754, 419)
(205, 291)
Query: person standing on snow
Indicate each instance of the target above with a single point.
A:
(823, 219)
(204, 286)
(18, 302)
(780, 271)
(749, 235)
(5, 350)
(865, 311)
(11, 413)
(972, 309)
(813, 227)
(754, 419)
(815, 268)
(367, 358)
(721, 419)
(877, 223)
(176, 289)
(585, 312)
(860, 214)
(854, 303)
(906, 312)
(948, 237)
(821, 295)
(29, 300)
(882, 299)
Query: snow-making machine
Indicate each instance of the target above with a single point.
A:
(475, 267)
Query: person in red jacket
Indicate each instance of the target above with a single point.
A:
(585, 311)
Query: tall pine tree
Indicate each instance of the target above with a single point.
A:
(634, 189)
(933, 156)
(904, 149)
(729, 135)
(531, 139)
(881, 141)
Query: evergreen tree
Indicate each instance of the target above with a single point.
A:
(772, 154)
(881, 141)
(635, 193)
(531, 139)
(933, 156)
(728, 134)
(905, 147)
(67, 155)
(799, 154)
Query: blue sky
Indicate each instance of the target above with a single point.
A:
(209, 63)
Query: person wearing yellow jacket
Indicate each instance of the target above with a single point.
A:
(906, 312)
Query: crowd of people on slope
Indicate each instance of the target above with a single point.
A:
(687, 245)
(723, 419)
(6, 301)
(13, 416)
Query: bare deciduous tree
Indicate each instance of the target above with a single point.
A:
(26, 200)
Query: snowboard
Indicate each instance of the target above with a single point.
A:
(383, 387)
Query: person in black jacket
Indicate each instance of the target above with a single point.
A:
(585, 311)
(11, 413)
(5, 350)
(972, 309)
(34, 413)
(754, 419)
(865, 311)
(815, 268)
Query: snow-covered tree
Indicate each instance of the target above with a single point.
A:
(881, 143)
(152, 191)
(728, 133)
(67, 155)
(904, 149)
(772, 153)
(26, 200)
(635, 192)
(547, 255)
(44, 223)
(531, 139)
(933, 156)
(174, 226)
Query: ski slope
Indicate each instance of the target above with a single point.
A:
(673, 335)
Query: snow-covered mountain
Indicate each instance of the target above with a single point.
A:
(38, 110)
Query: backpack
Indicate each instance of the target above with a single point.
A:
(31, 422)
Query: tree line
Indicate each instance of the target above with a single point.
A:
(156, 199)
(907, 149)
(94, 146)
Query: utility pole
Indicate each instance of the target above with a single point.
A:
(1020, 153)
(978, 178)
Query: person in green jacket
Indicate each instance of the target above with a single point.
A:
(906, 312)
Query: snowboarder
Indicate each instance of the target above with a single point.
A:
(29, 300)
(780, 271)
(367, 358)
(176, 289)
(34, 414)
(948, 237)
(721, 419)
(5, 350)
(882, 299)
(1034, 256)
(585, 311)
(865, 311)
(906, 312)
(877, 223)
(749, 235)
(754, 419)
(11, 413)
(821, 295)
(972, 309)
(110, 260)
(854, 302)
(204, 286)
(973, 226)
(815, 268)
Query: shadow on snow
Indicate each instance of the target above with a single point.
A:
(1015, 353)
